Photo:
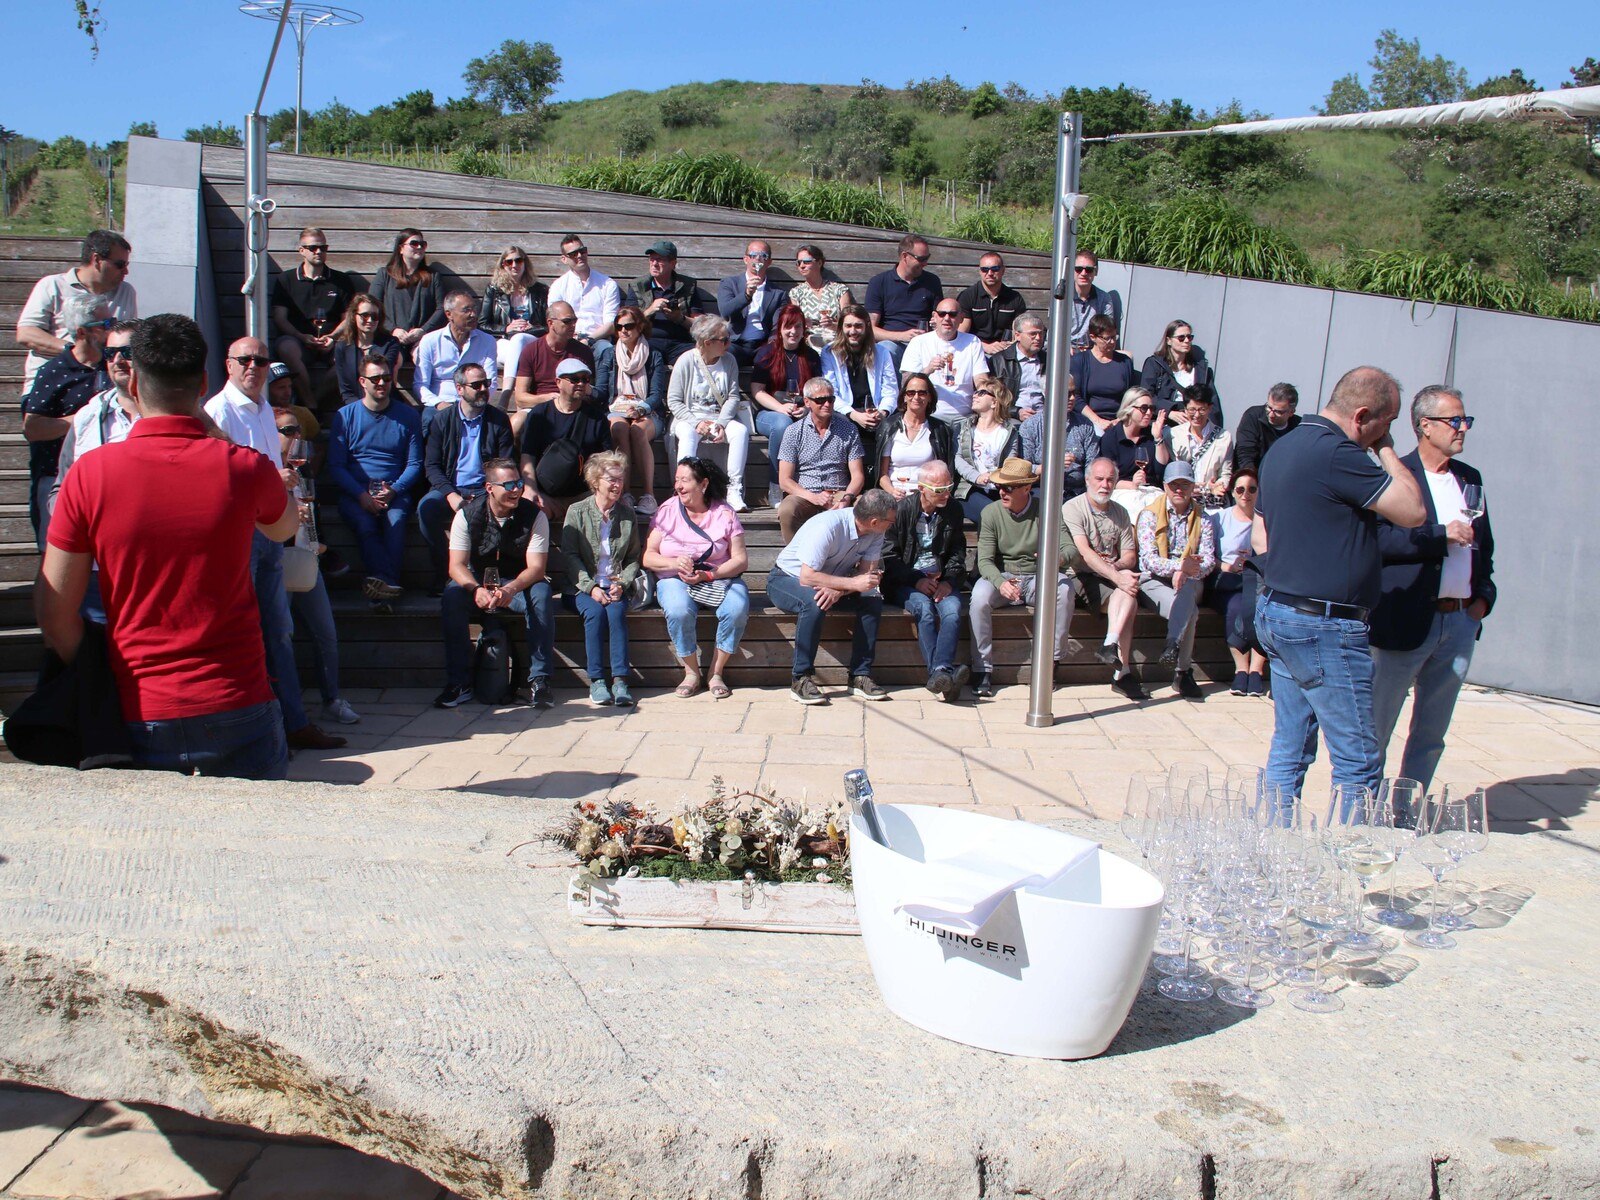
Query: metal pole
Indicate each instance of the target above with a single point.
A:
(1041, 684)
(299, 76)
(257, 210)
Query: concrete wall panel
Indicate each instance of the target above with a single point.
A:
(1168, 295)
(1410, 341)
(1271, 333)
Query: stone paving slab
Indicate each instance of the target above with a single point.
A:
(371, 967)
(30, 1122)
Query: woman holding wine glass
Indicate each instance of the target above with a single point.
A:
(601, 545)
(821, 301)
(362, 331)
(1140, 456)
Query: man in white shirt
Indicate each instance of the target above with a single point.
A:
(952, 359)
(750, 304)
(242, 412)
(104, 272)
(441, 353)
(594, 297)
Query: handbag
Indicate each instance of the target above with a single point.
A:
(300, 565)
(712, 592)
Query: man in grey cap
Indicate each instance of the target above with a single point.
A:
(669, 300)
(1177, 551)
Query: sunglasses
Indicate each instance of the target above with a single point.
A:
(563, 320)
(921, 258)
(1246, 490)
(1456, 423)
(1183, 337)
(320, 248)
(984, 392)
(513, 486)
(624, 327)
(1013, 487)
(251, 360)
(759, 257)
(805, 262)
(1143, 408)
(937, 489)
(471, 385)
(923, 392)
(722, 338)
(828, 399)
(417, 245)
(376, 379)
(369, 315)
(1084, 270)
(990, 270)
(289, 430)
(119, 352)
(512, 262)
(945, 312)
(575, 252)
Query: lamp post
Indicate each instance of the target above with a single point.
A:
(301, 21)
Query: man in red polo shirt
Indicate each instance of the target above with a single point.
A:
(168, 515)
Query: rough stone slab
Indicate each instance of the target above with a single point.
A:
(370, 966)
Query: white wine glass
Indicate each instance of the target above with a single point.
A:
(1393, 812)
(1470, 840)
(1325, 912)
(1359, 853)
(1437, 819)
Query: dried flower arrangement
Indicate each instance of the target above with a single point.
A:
(734, 835)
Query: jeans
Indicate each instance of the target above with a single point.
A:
(456, 609)
(1181, 607)
(381, 536)
(1321, 677)
(245, 743)
(938, 625)
(1438, 667)
(316, 617)
(277, 628)
(39, 508)
(897, 351)
(732, 615)
(599, 621)
(974, 504)
(738, 442)
(434, 518)
(789, 594)
(772, 426)
(986, 598)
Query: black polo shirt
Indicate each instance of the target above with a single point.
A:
(1317, 492)
(1116, 444)
(901, 305)
(992, 315)
(302, 299)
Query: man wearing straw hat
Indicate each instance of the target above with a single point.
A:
(1008, 549)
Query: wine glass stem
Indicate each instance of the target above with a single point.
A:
(1433, 899)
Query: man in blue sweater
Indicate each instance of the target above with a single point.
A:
(375, 460)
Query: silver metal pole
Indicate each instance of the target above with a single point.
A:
(1041, 684)
(257, 209)
(299, 77)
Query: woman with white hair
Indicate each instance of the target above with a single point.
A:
(705, 400)
(62, 386)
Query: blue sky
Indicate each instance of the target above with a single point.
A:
(183, 63)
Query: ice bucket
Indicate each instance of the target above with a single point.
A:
(1047, 962)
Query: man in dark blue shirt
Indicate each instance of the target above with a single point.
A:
(1323, 489)
(901, 302)
(457, 440)
(60, 388)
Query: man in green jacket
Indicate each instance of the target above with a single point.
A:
(1008, 548)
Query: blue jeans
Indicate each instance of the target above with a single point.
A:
(245, 743)
(600, 622)
(732, 614)
(434, 517)
(789, 594)
(974, 504)
(456, 609)
(277, 629)
(938, 625)
(316, 617)
(380, 536)
(772, 426)
(1321, 676)
(1438, 667)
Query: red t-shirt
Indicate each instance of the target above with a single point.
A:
(168, 514)
(539, 362)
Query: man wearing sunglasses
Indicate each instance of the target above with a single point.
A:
(308, 301)
(459, 439)
(62, 386)
(502, 530)
(924, 571)
(103, 273)
(110, 413)
(594, 297)
(1089, 301)
(1438, 586)
(750, 304)
(901, 301)
(991, 307)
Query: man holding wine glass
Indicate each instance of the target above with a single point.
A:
(1438, 586)
(307, 301)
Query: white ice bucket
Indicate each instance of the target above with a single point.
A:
(1002, 934)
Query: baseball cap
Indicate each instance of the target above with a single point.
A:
(664, 248)
(573, 366)
(1176, 470)
(277, 371)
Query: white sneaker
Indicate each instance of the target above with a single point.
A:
(647, 506)
(736, 499)
(341, 712)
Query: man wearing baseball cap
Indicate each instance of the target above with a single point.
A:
(1177, 551)
(669, 300)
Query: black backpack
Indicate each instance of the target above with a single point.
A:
(560, 469)
(491, 682)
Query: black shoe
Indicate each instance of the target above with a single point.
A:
(518, 698)
(981, 687)
(1241, 683)
(1107, 653)
(866, 689)
(1128, 684)
(381, 608)
(1169, 654)
(940, 683)
(452, 696)
(542, 696)
(804, 691)
(1184, 682)
(958, 680)
(1255, 685)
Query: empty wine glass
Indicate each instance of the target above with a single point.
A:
(1438, 818)
(1357, 853)
(1393, 813)
(1463, 844)
(1190, 985)
(1324, 911)
(1145, 794)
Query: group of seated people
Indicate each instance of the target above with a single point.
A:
(890, 426)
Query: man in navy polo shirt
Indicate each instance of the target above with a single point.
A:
(1323, 489)
(901, 302)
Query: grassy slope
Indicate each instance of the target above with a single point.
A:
(65, 201)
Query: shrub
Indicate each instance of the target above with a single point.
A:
(833, 200)
(985, 100)
(721, 179)
(65, 151)
(476, 162)
(635, 135)
(943, 95)
(684, 110)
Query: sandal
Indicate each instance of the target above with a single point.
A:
(720, 690)
(687, 688)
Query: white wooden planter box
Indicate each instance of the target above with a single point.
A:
(697, 904)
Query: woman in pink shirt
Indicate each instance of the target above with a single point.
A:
(696, 549)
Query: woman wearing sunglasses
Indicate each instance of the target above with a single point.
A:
(1177, 364)
(363, 329)
(512, 309)
(1229, 595)
(411, 291)
(631, 374)
(822, 301)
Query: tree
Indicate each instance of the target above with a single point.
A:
(215, 135)
(1346, 96)
(1402, 78)
(517, 77)
(634, 135)
(985, 100)
(1513, 84)
(143, 129)
(1585, 74)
